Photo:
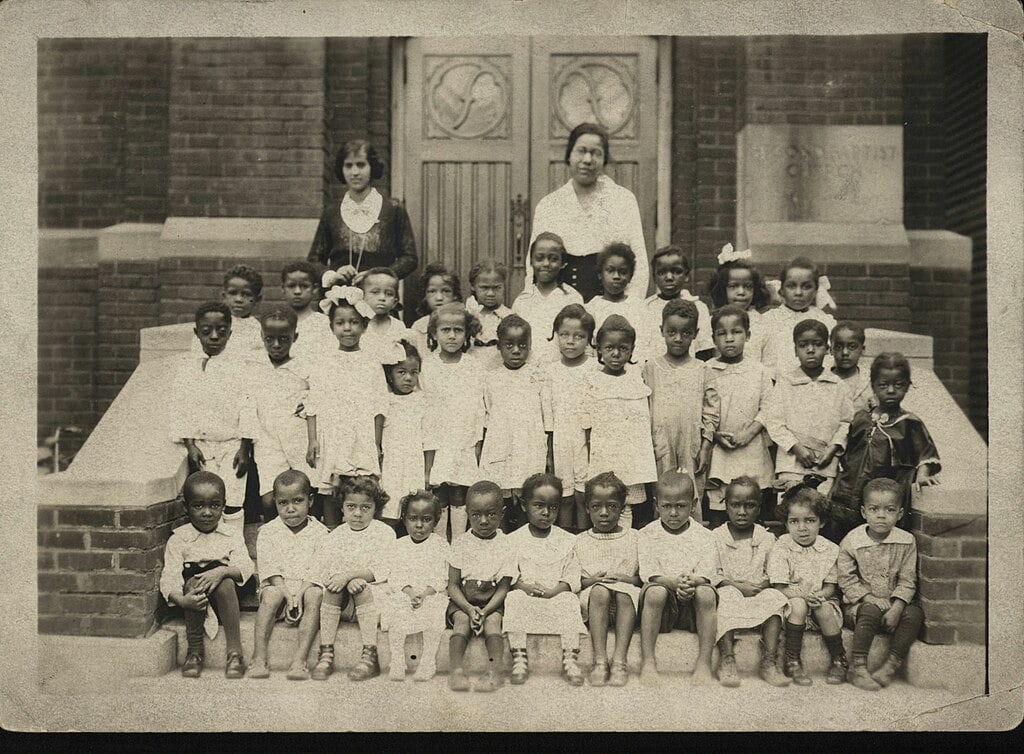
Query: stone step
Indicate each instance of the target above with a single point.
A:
(951, 667)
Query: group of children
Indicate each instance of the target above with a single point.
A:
(531, 423)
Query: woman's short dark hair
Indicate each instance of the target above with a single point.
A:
(355, 147)
(588, 128)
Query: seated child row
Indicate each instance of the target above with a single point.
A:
(468, 409)
(540, 579)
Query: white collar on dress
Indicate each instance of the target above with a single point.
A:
(361, 217)
(859, 537)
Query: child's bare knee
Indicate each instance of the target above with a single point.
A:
(492, 624)
(704, 598)
(272, 595)
(655, 597)
(364, 597)
(600, 595)
(798, 609)
(460, 624)
(312, 597)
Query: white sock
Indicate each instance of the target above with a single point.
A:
(570, 641)
(431, 642)
(330, 616)
(396, 641)
(367, 615)
(517, 640)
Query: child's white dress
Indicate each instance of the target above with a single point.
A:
(289, 554)
(568, 386)
(743, 391)
(649, 334)
(418, 565)
(540, 311)
(455, 414)
(418, 335)
(345, 549)
(601, 308)
(858, 385)
(380, 340)
(406, 436)
(614, 552)
(279, 391)
(545, 561)
(347, 390)
(745, 560)
(685, 410)
(776, 325)
(615, 409)
(517, 416)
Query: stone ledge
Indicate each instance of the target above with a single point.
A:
(72, 663)
(939, 248)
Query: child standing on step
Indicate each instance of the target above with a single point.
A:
(487, 280)
(453, 385)
(541, 302)
(743, 386)
(418, 579)
(737, 282)
(610, 577)
(241, 290)
(380, 291)
(567, 379)
(300, 284)
(438, 286)
(671, 270)
(801, 287)
(616, 264)
(885, 441)
(746, 599)
(517, 418)
(685, 406)
(290, 590)
(203, 561)
(679, 568)
(878, 576)
(480, 568)
(346, 403)
(847, 345)
(353, 562)
(809, 414)
(215, 421)
(543, 596)
(616, 415)
(802, 565)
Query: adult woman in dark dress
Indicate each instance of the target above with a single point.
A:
(366, 229)
(589, 212)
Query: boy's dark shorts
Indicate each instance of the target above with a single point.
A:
(478, 594)
(676, 614)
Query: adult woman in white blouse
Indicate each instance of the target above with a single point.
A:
(589, 212)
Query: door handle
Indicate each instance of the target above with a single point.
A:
(520, 220)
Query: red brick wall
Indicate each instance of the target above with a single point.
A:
(357, 101)
(99, 568)
(247, 139)
(67, 353)
(952, 568)
(941, 308)
(103, 118)
(924, 157)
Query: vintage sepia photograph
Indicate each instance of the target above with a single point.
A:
(638, 379)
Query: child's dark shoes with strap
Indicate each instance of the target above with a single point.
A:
(367, 667)
(193, 665)
(795, 670)
(235, 666)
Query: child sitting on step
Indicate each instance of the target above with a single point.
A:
(480, 569)
(203, 560)
(289, 588)
(878, 576)
(543, 597)
(802, 565)
(679, 567)
(353, 562)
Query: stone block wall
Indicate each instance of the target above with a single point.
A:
(99, 568)
(952, 570)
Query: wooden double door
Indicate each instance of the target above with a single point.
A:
(485, 127)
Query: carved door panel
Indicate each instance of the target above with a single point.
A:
(467, 151)
(486, 120)
(606, 80)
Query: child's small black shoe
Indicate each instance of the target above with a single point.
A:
(193, 665)
(837, 671)
(795, 669)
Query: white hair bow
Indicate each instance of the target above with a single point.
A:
(823, 298)
(350, 295)
(390, 352)
(728, 254)
(330, 278)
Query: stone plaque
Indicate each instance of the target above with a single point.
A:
(824, 174)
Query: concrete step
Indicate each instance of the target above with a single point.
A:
(958, 667)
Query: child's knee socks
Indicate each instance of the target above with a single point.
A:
(194, 620)
(794, 640)
(367, 616)
(906, 631)
(834, 645)
(330, 617)
(869, 617)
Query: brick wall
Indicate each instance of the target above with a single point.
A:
(357, 101)
(952, 568)
(876, 295)
(248, 134)
(941, 307)
(67, 353)
(99, 568)
(103, 119)
(924, 184)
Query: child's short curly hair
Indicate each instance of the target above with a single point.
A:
(197, 479)
(213, 306)
(513, 321)
(678, 307)
(365, 485)
(802, 494)
(747, 482)
(800, 263)
(280, 313)
(614, 323)
(303, 266)
(672, 250)
(378, 271)
(472, 324)
(436, 269)
(810, 325)
(850, 326)
(487, 265)
(412, 497)
(719, 284)
(334, 306)
(890, 360)
(884, 485)
(617, 249)
(246, 273)
(536, 481)
(608, 480)
(577, 312)
(729, 310)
